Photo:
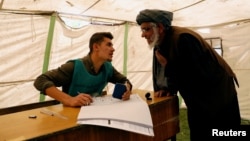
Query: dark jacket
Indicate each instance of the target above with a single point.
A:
(203, 78)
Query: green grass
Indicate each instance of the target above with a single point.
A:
(183, 135)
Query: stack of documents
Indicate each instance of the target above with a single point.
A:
(131, 115)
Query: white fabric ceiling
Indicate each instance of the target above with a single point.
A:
(24, 39)
(188, 13)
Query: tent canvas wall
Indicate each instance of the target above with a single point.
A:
(36, 37)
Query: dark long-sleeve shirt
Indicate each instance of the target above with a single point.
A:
(62, 76)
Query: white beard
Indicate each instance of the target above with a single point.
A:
(154, 38)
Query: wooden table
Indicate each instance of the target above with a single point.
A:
(18, 125)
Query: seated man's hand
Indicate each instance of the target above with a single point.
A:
(126, 95)
(79, 100)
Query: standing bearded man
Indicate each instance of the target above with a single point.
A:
(183, 61)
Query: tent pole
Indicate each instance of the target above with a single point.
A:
(125, 51)
(48, 48)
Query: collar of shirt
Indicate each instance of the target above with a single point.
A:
(89, 65)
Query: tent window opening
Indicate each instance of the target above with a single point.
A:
(216, 44)
(74, 23)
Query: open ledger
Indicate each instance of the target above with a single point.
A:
(132, 115)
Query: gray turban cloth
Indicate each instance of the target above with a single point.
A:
(156, 16)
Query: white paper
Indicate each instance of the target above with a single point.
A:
(131, 115)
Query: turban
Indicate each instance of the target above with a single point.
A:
(154, 15)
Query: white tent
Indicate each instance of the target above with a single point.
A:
(37, 35)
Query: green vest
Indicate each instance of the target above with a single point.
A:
(84, 82)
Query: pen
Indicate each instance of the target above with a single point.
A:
(47, 112)
(51, 113)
